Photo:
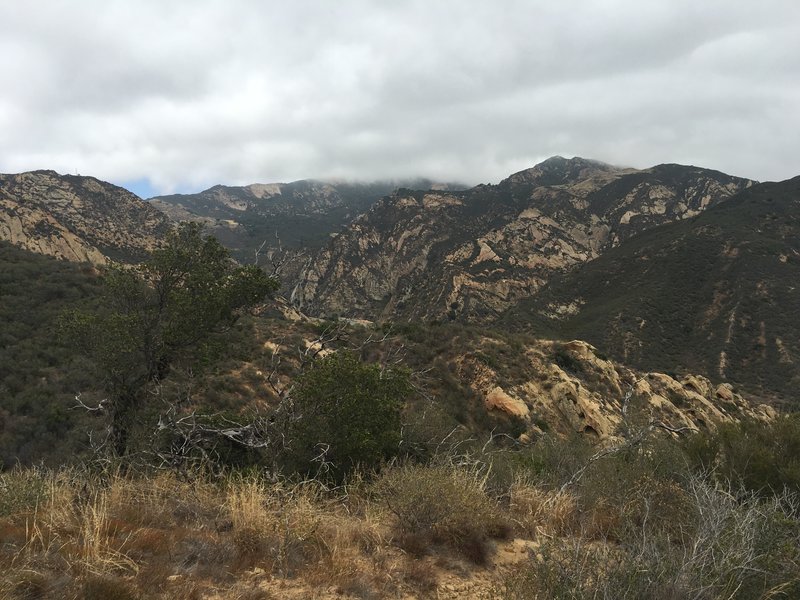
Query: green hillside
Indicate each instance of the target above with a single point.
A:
(39, 375)
(716, 294)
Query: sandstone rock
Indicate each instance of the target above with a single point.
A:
(497, 399)
(724, 392)
(597, 396)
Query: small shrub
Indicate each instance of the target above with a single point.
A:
(21, 491)
(565, 360)
(739, 547)
(442, 505)
(541, 423)
(273, 527)
(763, 457)
(638, 487)
(575, 570)
(553, 460)
(537, 511)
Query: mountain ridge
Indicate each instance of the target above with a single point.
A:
(77, 218)
(472, 254)
(713, 294)
(302, 213)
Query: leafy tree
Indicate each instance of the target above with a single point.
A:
(159, 313)
(348, 413)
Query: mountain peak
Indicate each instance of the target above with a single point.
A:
(559, 162)
(558, 170)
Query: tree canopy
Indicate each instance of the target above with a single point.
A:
(160, 312)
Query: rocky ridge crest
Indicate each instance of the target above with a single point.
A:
(80, 219)
(470, 255)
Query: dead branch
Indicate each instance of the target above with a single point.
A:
(102, 406)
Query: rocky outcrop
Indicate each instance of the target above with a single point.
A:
(485, 381)
(78, 219)
(472, 254)
(497, 399)
(569, 388)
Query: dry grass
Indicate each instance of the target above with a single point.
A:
(63, 535)
(274, 527)
(536, 511)
(442, 504)
(410, 533)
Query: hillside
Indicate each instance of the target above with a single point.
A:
(716, 294)
(519, 468)
(303, 213)
(40, 374)
(470, 255)
(468, 378)
(479, 381)
(75, 218)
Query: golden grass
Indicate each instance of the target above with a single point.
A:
(536, 511)
(407, 533)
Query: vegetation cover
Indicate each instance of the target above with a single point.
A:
(559, 519)
(374, 470)
(160, 313)
(39, 374)
(347, 415)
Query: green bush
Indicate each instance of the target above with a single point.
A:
(553, 460)
(21, 491)
(346, 414)
(763, 457)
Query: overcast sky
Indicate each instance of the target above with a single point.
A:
(167, 96)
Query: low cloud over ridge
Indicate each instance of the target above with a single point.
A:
(188, 94)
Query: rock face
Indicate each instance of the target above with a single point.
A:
(569, 388)
(75, 218)
(717, 294)
(472, 254)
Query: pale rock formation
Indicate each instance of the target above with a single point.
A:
(76, 218)
(591, 395)
(497, 399)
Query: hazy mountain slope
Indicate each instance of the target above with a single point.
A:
(77, 218)
(473, 254)
(302, 213)
(717, 294)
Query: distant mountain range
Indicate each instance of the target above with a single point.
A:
(673, 268)
(302, 214)
(473, 254)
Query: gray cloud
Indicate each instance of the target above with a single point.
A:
(190, 93)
